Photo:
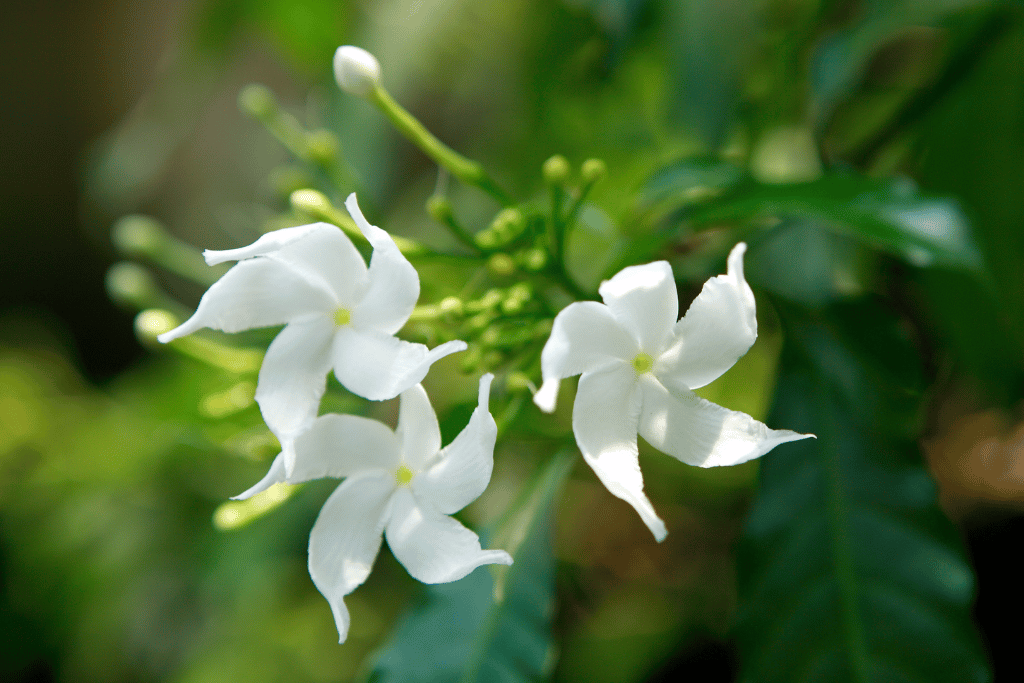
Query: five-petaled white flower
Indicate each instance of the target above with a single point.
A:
(337, 313)
(639, 366)
(400, 484)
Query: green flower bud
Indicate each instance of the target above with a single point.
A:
(132, 285)
(556, 170)
(310, 202)
(451, 305)
(139, 235)
(439, 208)
(533, 259)
(593, 170)
(501, 264)
(322, 146)
(257, 101)
(153, 322)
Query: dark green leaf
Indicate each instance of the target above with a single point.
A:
(709, 46)
(886, 214)
(843, 57)
(848, 569)
(495, 624)
(692, 178)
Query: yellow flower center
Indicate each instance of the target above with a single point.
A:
(342, 317)
(403, 475)
(643, 363)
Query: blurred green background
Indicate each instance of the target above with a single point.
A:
(823, 133)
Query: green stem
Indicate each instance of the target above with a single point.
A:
(469, 172)
(556, 233)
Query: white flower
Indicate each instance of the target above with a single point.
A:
(399, 484)
(356, 70)
(337, 314)
(639, 366)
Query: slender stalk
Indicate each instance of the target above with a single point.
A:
(469, 172)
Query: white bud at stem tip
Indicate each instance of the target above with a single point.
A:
(356, 70)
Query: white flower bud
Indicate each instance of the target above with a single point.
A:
(356, 70)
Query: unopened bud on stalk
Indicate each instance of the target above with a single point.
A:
(356, 70)
(593, 170)
(132, 285)
(501, 264)
(257, 101)
(533, 259)
(556, 170)
(138, 235)
(153, 322)
(439, 208)
(310, 202)
(451, 305)
(322, 146)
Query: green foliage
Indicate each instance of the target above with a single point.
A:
(848, 571)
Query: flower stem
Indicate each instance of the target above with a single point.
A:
(469, 172)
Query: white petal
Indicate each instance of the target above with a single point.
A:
(275, 475)
(585, 337)
(394, 284)
(418, 431)
(346, 537)
(433, 547)
(644, 299)
(701, 433)
(377, 366)
(293, 376)
(270, 242)
(255, 293)
(604, 420)
(719, 327)
(321, 251)
(344, 445)
(463, 468)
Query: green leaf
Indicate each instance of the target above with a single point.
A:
(495, 624)
(848, 570)
(842, 58)
(886, 214)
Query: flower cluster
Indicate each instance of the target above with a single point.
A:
(338, 313)
(639, 364)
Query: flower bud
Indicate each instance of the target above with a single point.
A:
(131, 285)
(556, 170)
(533, 259)
(501, 264)
(153, 322)
(451, 305)
(310, 202)
(439, 208)
(509, 224)
(593, 170)
(138, 235)
(322, 146)
(356, 70)
(257, 101)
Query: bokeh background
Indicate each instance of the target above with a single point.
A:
(110, 566)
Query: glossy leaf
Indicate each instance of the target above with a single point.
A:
(848, 569)
(495, 624)
(888, 215)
